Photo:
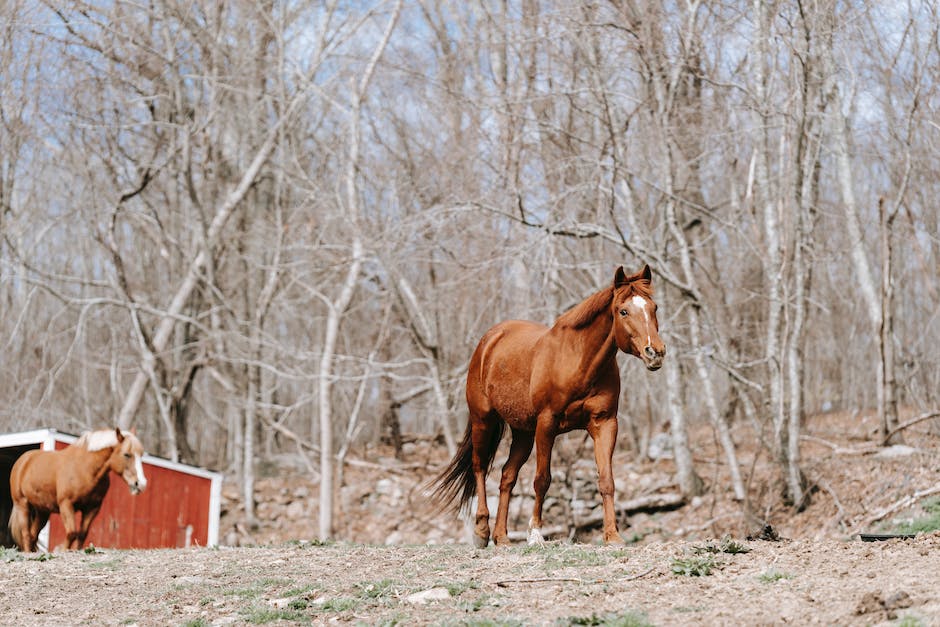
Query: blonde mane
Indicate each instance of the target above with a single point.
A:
(97, 440)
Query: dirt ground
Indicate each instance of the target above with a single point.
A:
(397, 561)
(795, 582)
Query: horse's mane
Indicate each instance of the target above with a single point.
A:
(97, 440)
(582, 314)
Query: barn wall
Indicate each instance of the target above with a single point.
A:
(172, 512)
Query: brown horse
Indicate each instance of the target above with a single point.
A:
(546, 381)
(72, 480)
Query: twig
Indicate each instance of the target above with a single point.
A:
(505, 582)
(909, 423)
(842, 450)
(640, 575)
(907, 501)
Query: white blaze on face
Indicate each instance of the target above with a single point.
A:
(642, 304)
(139, 467)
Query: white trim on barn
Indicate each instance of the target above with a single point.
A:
(46, 439)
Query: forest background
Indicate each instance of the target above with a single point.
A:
(252, 229)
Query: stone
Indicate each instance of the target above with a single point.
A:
(426, 596)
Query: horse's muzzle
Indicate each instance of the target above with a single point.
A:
(136, 488)
(653, 358)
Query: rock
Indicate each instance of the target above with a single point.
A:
(895, 451)
(295, 510)
(426, 596)
(898, 600)
(871, 602)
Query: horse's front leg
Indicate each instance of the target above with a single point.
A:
(544, 441)
(604, 433)
(519, 452)
(67, 513)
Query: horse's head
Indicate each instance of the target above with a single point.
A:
(126, 460)
(636, 329)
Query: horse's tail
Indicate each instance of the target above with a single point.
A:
(13, 527)
(457, 482)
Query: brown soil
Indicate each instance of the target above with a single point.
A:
(395, 547)
(799, 582)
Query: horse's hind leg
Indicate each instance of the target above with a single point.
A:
(88, 517)
(19, 527)
(483, 432)
(519, 452)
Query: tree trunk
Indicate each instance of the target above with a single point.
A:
(889, 406)
(338, 308)
(689, 482)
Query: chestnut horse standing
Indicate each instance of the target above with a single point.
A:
(546, 381)
(72, 480)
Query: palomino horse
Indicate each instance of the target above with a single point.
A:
(546, 381)
(72, 480)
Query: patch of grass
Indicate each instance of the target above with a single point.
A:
(483, 622)
(726, 545)
(198, 622)
(397, 619)
(924, 524)
(560, 555)
(694, 565)
(91, 550)
(773, 575)
(257, 588)
(340, 604)
(626, 619)
(459, 587)
(296, 592)
(687, 609)
(377, 589)
(10, 555)
(910, 621)
(260, 616)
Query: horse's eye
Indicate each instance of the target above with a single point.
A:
(623, 312)
(127, 455)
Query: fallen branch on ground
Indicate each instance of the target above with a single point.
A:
(907, 501)
(505, 582)
(843, 450)
(909, 423)
(651, 502)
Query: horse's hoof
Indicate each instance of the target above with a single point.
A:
(615, 539)
(502, 541)
(535, 537)
(480, 543)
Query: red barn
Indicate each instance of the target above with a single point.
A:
(179, 508)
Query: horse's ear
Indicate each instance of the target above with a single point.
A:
(620, 277)
(120, 436)
(645, 273)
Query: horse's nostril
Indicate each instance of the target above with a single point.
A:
(650, 352)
